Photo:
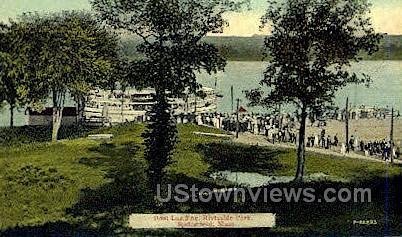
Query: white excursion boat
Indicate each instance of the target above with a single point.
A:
(113, 107)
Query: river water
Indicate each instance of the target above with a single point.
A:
(386, 89)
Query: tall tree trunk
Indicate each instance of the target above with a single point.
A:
(12, 107)
(58, 107)
(301, 149)
(57, 118)
(82, 109)
(77, 117)
(78, 107)
(80, 100)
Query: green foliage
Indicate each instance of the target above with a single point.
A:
(9, 78)
(188, 146)
(35, 134)
(68, 52)
(160, 140)
(15, 87)
(170, 36)
(235, 48)
(171, 51)
(103, 183)
(236, 158)
(77, 50)
(390, 48)
(280, 162)
(311, 47)
(80, 180)
(252, 48)
(30, 175)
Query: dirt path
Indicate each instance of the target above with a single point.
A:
(251, 139)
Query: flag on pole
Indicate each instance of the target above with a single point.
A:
(242, 110)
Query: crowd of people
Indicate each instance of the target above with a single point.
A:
(363, 112)
(283, 129)
(275, 128)
(381, 149)
(323, 141)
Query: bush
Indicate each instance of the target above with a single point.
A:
(236, 157)
(31, 175)
(31, 134)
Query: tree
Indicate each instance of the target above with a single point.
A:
(14, 84)
(312, 44)
(69, 53)
(171, 33)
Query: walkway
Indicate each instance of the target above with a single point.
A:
(251, 139)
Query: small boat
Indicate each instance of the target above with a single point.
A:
(218, 94)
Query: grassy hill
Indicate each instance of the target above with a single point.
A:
(82, 187)
(251, 48)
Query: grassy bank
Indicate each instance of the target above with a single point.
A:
(40, 181)
(281, 162)
(85, 184)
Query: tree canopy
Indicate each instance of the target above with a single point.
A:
(311, 46)
(171, 32)
(15, 86)
(172, 51)
(69, 52)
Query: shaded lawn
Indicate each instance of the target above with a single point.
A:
(282, 162)
(39, 182)
(316, 218)
(188, 160)
(88, 184)
(37, 185)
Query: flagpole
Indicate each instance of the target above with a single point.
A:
(347, 125)
(232, 97)
(237, 118)
(392, 136)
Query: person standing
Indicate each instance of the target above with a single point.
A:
(351, 143)
(336, 140)
(328, 144)
(356, 143)
(199, 120)
(343, 149)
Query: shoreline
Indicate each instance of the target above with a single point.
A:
(363, 129)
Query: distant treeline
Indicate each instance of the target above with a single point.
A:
(251, 48)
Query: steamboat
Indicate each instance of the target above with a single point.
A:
(117, 106)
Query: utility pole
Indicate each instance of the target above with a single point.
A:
(237, 118)
(392, 136)
(186, 105)
(195, 103)
(232, 97)
(347, 125)
(280, 117)
(122, 110)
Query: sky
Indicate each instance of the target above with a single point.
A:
(386, 14)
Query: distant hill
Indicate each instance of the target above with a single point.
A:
(251, 48)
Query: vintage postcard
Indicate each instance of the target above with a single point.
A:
(200, 118)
